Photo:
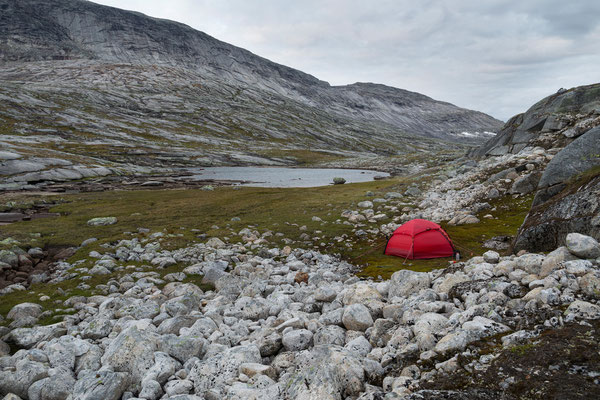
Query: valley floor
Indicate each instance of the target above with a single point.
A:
(242, 293)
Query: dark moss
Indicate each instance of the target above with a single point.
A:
(559, 364)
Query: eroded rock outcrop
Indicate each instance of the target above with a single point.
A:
(566, 126)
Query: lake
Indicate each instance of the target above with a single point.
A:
(284, 177)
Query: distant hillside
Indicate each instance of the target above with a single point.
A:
(94, 80)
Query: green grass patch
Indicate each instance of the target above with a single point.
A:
(182, 214)
(522, 349)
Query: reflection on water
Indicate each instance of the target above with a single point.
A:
(284, 177)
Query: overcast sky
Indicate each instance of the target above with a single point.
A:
(495, 56)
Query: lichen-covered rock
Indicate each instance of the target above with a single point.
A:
(357, 317)
(215, 243)
(453, 342)
(212, 373)
(29, 337)
(405, 282)
(297, 339)
(326, 372)
(526, 184)
(253, 369)
(20, 380)
(151, 390)
(554, 260)
(330, 334)
(590, 284)
(100, 385)
(10, 258)
(580, 309)
(361, 293)
(431, 323)
(360, 345)
(583, 246)
(132, 351)
(491, 257)
(57, 387)
(102, 221)
(531, 263)
(25, 310)
(63, 352)
(97, 328)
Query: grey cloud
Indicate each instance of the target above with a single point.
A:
(496, 56)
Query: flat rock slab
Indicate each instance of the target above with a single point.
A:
(12, 217)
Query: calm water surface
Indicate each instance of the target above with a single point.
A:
(284, 177)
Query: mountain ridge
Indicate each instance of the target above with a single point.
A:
(100, 80)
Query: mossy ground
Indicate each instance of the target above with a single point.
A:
(559, 364)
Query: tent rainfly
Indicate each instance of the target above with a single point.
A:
(420, 239)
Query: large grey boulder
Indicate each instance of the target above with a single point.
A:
(431, 323)
(139, 309)
(151, 390)
(212, 373)
(28, 337)
(97, 328)
(326, 372)
(9, 257)
(481, 327)
(580, 309)
(102, 221)
(164, 367)
(583, 246)
(25, 310)
(64, 351)
(100, 385)
(253, 308)
(357, 317)
(184, 347)
(297, 339)
(330, 334)
(405, 282)
(554, 260)
(132, 351)
(19, 380)
(526, 184)
(361, 293)
(57, 387)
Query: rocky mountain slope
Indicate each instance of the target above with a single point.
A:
(566, 191)
(99, 86)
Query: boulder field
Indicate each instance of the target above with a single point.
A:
(256, 331)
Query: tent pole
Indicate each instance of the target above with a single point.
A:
(411, 247)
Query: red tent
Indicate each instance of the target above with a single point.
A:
(419, 239)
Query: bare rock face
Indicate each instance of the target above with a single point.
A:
(552, 114)
(563, 130)
(580, 156)
(567, 198)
